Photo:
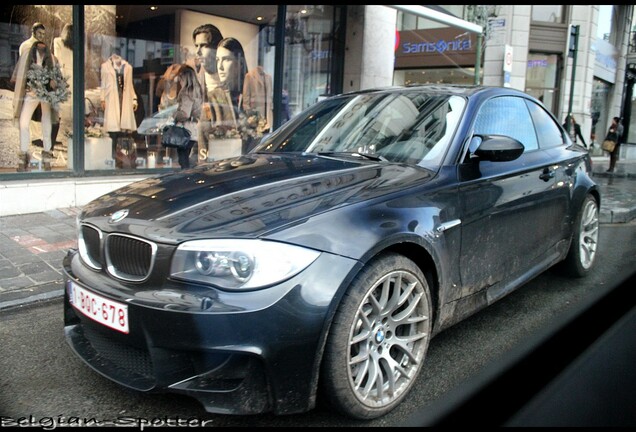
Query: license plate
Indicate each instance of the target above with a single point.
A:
(107, 312)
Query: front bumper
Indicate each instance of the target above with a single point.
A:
(262, 356)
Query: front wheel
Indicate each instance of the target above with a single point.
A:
(582, 253)
(378, 339)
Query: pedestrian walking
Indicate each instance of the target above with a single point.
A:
(574, 130)
(615, 133)
(189, 100)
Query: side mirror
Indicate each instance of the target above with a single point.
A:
(498, 148)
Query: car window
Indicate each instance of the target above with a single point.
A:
(410, 127)
(507, 116)
(314, 122)
(548, 131)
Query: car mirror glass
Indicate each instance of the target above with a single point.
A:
(474, 144)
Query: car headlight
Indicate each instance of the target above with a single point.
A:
(239, 264)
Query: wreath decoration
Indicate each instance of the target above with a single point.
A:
(38, 80)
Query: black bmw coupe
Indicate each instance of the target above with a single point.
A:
(321, 264)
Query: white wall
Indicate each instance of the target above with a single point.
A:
(370, 49)
(379, 47)
(34, 196)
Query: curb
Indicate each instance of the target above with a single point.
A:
(619, 215)
(25, 301)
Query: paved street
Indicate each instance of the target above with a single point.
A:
(43, 378)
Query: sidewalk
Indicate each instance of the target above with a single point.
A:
(32, 246)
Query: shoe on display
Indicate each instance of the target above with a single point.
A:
(23, 162)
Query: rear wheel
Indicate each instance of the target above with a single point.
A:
(582, 253)
(378, 339)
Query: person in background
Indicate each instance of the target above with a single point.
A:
(574, 129)
(167, 87)
(615, 133)
(189, 101)
(285, 113)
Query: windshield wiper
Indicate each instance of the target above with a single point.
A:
(376, 158)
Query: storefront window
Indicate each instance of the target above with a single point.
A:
(542, 78)
(309, 58)
(434, 53)
(599, 109)
(548, 13)
(211, 68)
(35, 88)
(149, 68)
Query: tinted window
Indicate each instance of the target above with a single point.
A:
(410, 127)
(507, 116)
(548, 132)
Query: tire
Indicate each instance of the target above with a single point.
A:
(378, 339)
(582, 253)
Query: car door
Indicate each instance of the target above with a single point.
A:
(510, 212)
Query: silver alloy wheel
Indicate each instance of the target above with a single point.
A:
(388, 339)
(588, 238)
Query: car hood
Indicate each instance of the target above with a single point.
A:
(246, 196)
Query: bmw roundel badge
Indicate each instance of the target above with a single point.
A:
(118, 216)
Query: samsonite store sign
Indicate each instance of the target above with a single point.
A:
(435, 47)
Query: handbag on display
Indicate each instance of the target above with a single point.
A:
(608, 145)
(93, 117)
(175, 136)
(125, 153)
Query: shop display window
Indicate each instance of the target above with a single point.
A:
(210, 68)
(36, 89)
(542, 78)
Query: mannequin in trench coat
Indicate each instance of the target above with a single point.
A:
(118, 116)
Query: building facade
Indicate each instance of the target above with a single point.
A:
(575, 58)
(294, 56)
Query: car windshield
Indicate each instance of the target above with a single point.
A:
(414, 128)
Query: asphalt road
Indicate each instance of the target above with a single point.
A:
(43, 383)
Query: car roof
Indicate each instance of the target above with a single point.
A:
(458, 89)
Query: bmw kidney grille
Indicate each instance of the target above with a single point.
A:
(126, 257)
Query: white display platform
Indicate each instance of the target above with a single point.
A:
(98, 153)
(224, 148)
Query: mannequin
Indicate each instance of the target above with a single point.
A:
(38, 33)
(63, 51)
(118, 98)
(26, 100)
(257, 94)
